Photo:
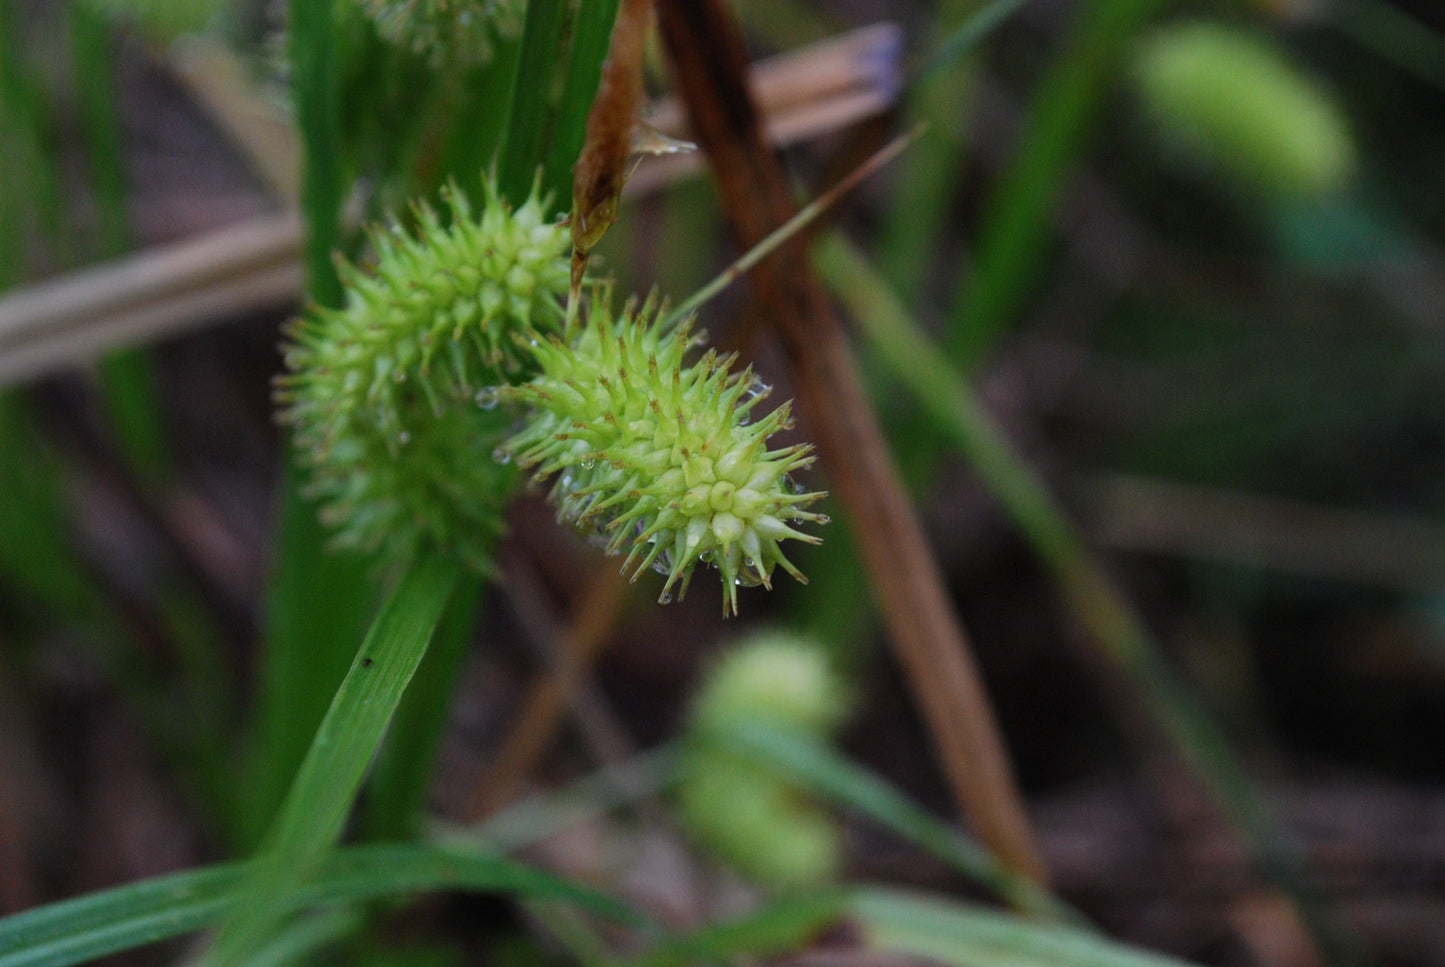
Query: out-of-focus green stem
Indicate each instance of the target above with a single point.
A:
(1015, 224)
(1098, 604)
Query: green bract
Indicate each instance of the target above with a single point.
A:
(383, 392)
(658, 456)
(447, 31)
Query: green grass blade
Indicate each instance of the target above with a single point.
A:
(927, 179)
(584, 69)
(300, 941)
(319, 606)
(403, 772)
(1120, 635)
(322, 794)
(483, 118)
(316, 93)
(141, 913)
(1015, 224)
(31, 203)
(780, 926)
(954, 933)
(535, 100)
(825, 773)
(35, 555)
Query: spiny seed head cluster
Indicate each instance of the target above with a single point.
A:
(657, 456)
(447, 32)
(382, 393)
(741, 809)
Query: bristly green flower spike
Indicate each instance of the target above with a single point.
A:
(657, 456)
(383, 393)
(446, 31)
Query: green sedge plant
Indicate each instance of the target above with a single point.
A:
(396, 405)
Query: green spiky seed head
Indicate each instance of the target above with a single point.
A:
(776, 677)
(1236, 103)
(383, 393)
(656, 456)
(447, 32)
(749, 814)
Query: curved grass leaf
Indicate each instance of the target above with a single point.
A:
(140, 913)
(322, 794)
(780, 926)
(954, 933)
(823, 772)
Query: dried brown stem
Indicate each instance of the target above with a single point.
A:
(709, 66)
(589, 630)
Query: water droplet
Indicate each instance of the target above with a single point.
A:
(488, 397)
(403, 438)
(502, 455)
(665, 598)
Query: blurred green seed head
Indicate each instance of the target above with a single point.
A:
(657, 456)
(383, 393)
(750, 816)
(777, 677)
(447, 32)
(756, 824)
(1232, 100)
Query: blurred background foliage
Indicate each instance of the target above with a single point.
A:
(1190, 256)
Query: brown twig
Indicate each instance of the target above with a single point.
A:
(709, 66)
(572, 656)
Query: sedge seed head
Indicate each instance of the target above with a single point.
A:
(383, 393)
(750, 814)
(656, 456)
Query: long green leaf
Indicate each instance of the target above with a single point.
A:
(141, 913)
(318, 607)
(780, 926)
(400, 781)
(321, 797)
(950, 932)
(821, 770)
(590, 44)
(1015, 223)
(316, 94)
(535, 98)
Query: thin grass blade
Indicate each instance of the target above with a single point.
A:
(949, 932)
(322, 794)
(153, 910)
